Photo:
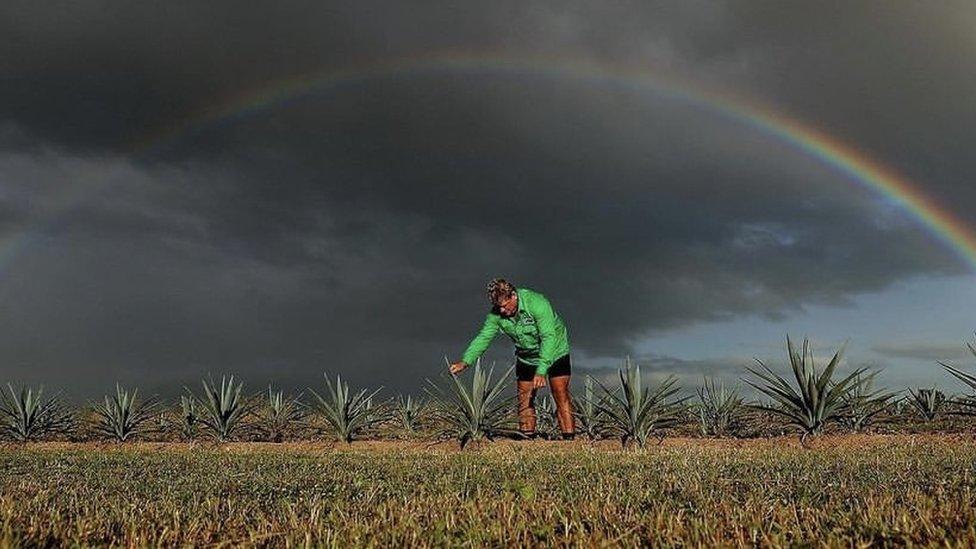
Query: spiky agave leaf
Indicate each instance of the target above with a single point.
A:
(863, 403)
(411, 412)
(188, 416)
(26, 415)
(123, 416)
(280, 414)
(928, 403)
(638, 413)
(814, 401)
(898, 406)
(589, 417)
(222, 409)
(481, 412)
(348, 413)
(718, 409)
(548, 422)
(967, 403)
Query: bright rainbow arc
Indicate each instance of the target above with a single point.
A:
(855, 165)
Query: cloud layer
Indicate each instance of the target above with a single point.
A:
(353, 230)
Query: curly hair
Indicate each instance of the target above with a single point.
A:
(498, 289)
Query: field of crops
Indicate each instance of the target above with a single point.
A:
(842, 490)
(345, 466)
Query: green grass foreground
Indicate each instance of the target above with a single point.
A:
(844, 490)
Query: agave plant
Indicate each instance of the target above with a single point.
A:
(26, 415)
(221, 410)
(966, 403)
(188, 417)
(162, 422)
(347, 413)
(547, 423)
(863, 403)
(410, 413)
(814, 401)
(898, 406)
(478, 413)
(718, 409)
(123, 416)
(928, 403)
(280, 414)
(590, 420)
(640, 413)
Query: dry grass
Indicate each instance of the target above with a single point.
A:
(845, 490)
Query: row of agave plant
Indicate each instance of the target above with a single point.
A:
(483, 408)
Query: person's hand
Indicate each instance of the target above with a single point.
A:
(538, 382)
(457, 367)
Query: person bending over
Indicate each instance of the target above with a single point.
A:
(541, 350)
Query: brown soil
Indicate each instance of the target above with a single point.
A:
(827, 441)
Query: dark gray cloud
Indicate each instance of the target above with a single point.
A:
(353, 229)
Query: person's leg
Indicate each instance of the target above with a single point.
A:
(526, 397)
(559, 374)
(526, 415)
(559, 386)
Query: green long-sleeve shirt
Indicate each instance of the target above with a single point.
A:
(538, 333)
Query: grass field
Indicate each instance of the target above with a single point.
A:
(845, 490)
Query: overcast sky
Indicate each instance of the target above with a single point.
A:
(352, 228)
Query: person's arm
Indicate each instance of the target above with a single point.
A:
(481, 341)
(545, 320)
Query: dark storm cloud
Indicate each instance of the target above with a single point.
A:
(353, 230)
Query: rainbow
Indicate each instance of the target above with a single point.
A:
(856, 166)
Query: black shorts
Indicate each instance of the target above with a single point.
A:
(525, 372)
